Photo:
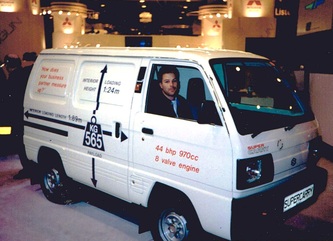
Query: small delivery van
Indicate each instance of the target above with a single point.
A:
(248, 154)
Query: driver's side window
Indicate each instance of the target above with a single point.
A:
(177, 91)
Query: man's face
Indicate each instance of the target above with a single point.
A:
(10, 69)
(169, 85)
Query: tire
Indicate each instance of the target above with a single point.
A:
(176, 222)
(56, 185)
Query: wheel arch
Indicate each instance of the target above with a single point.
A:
(160, 192)
(49, 157)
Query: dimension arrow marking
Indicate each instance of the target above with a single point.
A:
(27, 114)
(103, 71)
(93, 179)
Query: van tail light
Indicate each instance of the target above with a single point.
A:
(254, 171)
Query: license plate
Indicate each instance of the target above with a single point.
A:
(5, 130)
(297, 198)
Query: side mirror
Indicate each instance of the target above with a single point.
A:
(208, 114)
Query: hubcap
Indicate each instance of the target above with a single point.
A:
(173, 227)
(52, 180)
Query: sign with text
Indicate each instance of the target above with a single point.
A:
(93, 136)
(283, 8)
(106, 82)
(52, 79)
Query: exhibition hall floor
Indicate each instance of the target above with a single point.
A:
(26, 215)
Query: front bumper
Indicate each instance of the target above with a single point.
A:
(254, 214)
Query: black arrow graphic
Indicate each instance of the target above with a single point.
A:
(103, 71)
(27, 115)
(123, 137)
(94, 181)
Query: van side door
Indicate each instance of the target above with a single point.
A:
(176, 149)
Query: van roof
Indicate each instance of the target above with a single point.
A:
(154, 52)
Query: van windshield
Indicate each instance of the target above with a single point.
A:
(260, 97)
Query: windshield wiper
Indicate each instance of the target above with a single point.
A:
(288, 128)
(254, 134)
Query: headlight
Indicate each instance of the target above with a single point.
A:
(254, 171)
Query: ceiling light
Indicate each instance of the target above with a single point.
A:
(145, 17)
(211, 11)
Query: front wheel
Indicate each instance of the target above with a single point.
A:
(175, 224)
(55, 186)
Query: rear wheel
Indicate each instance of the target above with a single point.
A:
(56, 185)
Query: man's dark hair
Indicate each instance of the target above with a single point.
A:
(168, 69)
(12, 61)
(30, 56)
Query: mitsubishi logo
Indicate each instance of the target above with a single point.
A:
(252, 2)
(67, 22)
(216, 25)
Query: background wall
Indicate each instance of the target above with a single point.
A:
(321, 89)
(234, 34)
(21, 32)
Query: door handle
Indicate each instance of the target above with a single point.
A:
(117, 134)
(147, 131)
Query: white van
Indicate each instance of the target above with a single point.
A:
(247, 154)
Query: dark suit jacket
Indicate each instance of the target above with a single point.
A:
(161, 105)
